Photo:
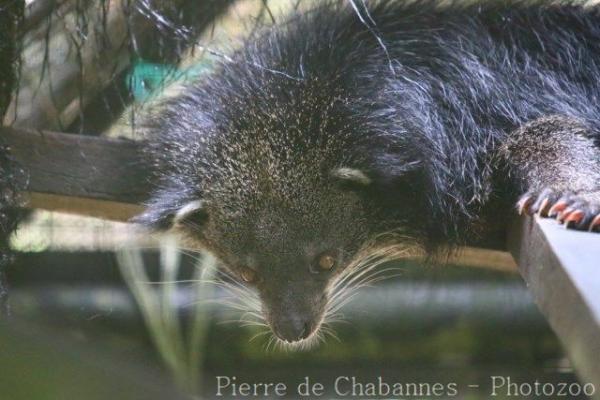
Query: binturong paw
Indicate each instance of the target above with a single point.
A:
(579, 211)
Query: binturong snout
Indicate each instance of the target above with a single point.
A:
(294, 327)
(293, 314)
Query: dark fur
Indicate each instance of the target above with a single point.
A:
(435, 114)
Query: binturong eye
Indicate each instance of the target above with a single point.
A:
(249, 275)
(325, 262)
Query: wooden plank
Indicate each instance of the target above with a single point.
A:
(486, 258)
(105, 178)
(475, 257)
(104, 209)
(562, 269)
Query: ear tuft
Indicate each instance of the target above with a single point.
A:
(172, 206)
(154, 218)
(189, 210)
(351, 176)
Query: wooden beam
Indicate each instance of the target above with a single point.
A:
(484, 258)
(561, 268)
(104, 209)
(467, 256)
(94, 176)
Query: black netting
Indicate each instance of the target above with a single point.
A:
(86, 61)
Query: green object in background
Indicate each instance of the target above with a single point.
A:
(147, 80)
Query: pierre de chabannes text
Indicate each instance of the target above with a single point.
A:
(351, 386)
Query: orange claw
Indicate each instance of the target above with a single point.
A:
(562, 216)
(557, 208)
(574, 217)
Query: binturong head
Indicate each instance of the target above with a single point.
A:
(290, 248)
(287, 183)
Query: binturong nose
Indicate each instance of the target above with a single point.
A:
(293, 328)
(293, 308)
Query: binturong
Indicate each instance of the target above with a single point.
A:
(358, 130)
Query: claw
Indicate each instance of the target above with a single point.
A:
(562, 216)
(594, 224)
(543, 209)
(570, 209)
(557, 208)
(523, 205)
(574, 218)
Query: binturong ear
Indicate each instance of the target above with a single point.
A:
(192, 214)
(350, 177)
(164, 212)
(385, 171)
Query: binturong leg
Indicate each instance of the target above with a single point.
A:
(556, 162)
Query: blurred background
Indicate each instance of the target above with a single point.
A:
(99, 309)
